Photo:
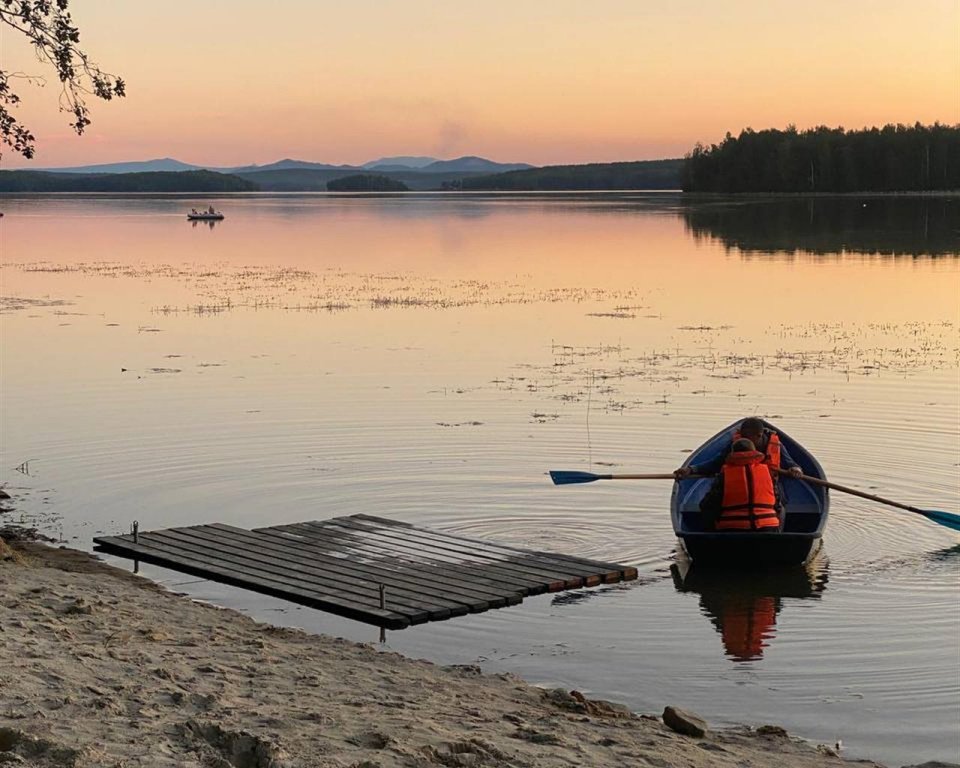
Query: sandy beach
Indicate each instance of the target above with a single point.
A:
(104, 668)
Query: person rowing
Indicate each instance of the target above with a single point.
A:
(766, 441)
(744, 496)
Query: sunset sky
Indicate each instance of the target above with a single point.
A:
(230, 82)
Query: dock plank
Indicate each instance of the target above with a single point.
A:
(526, 568)
(435, 557)
(368, 599)
(198, 540)
(628, 572)
(339, 565)
(383, 570)
(204, 569)
(495, 551)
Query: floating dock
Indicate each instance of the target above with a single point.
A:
(382, 572)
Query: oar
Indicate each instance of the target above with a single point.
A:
(947, 519)
(561, 477)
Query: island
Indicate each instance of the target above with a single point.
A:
(366, 182)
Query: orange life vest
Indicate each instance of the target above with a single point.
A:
(749, 499)
(772, 455)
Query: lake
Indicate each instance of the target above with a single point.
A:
(429, 358)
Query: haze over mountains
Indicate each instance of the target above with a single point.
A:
(467, 164)
(385, 174)
(393, 173)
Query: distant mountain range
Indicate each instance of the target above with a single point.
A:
(403, 162)
(468, 164)
(387, 173)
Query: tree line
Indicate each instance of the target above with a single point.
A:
(151, 181)
(366, 182)
(895, 158)
(644, 174)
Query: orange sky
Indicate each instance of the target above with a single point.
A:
(229, 82)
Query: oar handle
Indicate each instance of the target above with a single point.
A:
(854, 492)
(670, 476)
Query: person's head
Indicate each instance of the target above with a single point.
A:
(752, 429)
(743, 444)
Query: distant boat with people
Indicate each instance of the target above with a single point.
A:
(208, 214)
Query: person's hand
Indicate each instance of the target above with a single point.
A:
(795, 472)
(681, 473)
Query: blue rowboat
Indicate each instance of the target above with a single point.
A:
(805, 505)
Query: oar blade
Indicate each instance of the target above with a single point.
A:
(561, 477)
(947, 519)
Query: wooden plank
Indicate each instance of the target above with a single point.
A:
(627, 573)
(527, 566)
(378, 569)
(369, 599)
(460, 558)
(332, 578)
(387, 619)
(415, 557)
(576, 566)
(501, 570)
(339, 565)
(287, 555)
(592, 574)
(194, 542)
(384, 571)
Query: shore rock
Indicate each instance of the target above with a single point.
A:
(685, 722)
(934, 764)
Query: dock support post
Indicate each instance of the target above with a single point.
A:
(135, 530)
(383, 607)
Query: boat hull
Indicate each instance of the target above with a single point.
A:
(806, 507)
(731, 550)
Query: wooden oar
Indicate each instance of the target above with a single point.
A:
(561, 477)
(947, 519)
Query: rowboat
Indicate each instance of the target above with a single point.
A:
(805, 506)
(205, 216)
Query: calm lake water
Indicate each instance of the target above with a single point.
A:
(429, 357)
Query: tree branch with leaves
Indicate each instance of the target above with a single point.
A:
(48, 26)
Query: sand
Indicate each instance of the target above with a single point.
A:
(99, 667)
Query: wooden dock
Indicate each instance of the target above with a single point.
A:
(378, 571)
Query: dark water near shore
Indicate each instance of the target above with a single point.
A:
(429, 357)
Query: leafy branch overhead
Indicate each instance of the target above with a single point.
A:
(50, 29)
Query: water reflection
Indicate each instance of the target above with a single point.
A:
(887, 226)
(210, 223)
(743, 605)
(948, 555)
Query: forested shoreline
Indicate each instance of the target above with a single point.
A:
(895, 158)
(150, 181)
(366, 182)
(892, 159)
(643, 174)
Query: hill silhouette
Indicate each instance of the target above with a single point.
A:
(156, 181)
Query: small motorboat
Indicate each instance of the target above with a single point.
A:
(208, 215)
(805, 513)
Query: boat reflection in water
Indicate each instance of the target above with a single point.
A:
(744, 605)
(211, 223)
